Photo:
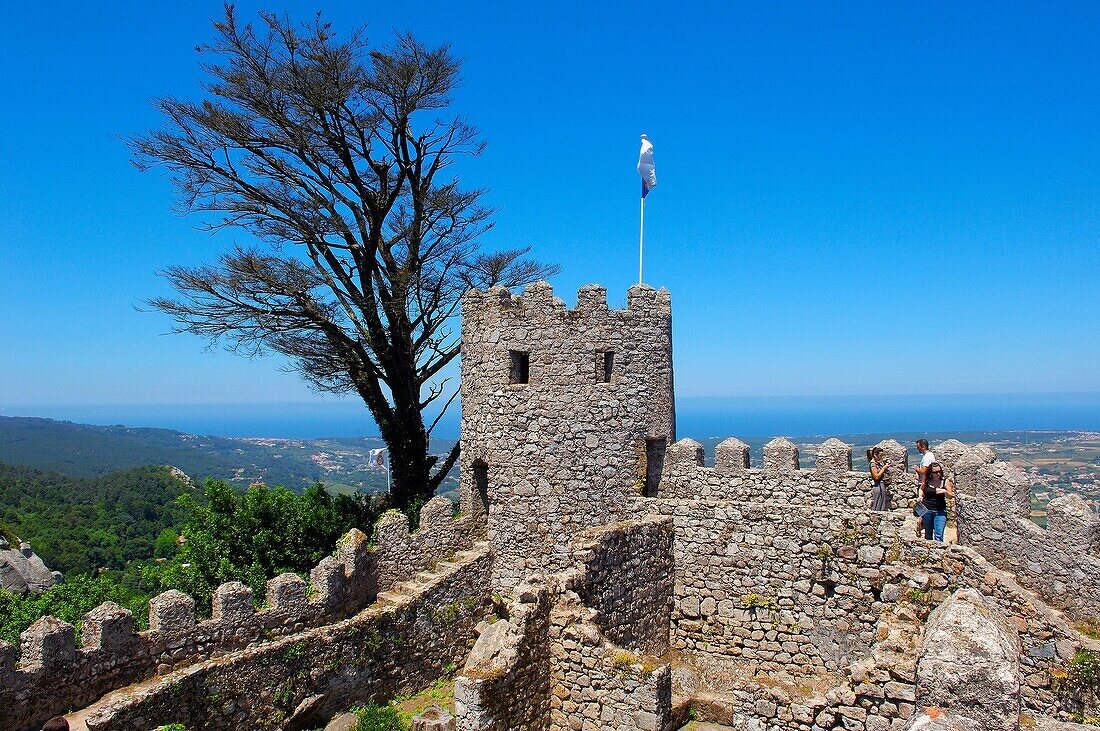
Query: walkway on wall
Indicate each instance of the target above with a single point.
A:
(401, 592)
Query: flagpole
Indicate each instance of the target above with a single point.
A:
(641, 240)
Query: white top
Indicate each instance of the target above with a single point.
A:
(927, 458)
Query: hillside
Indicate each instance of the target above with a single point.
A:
(80, 524)
(84, 450)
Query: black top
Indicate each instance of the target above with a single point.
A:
(932, 500)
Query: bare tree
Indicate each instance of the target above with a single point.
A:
(334, 157)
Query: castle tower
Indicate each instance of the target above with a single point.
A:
(565, 415)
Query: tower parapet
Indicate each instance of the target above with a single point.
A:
(566, 414)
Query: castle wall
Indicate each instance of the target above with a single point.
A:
(777, 566)
(505, 683)
(782, 587)
(381, 652)
(565, 450)
(626, 575)
(552, 662)
(778, 478)
(1061, 562)
(54, 673)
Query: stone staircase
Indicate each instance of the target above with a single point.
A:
(402, 591)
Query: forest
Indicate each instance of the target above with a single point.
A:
(129, 535)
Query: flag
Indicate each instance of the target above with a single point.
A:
(379, 458)
(645, 167)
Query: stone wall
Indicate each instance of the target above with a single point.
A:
(23, 571)
(779, 479)
(379, 653)
(1060, 562)
(548, 664)
(1047, 640)
(597, 685)
(567, 449)
(625, 574)
(786, 587)
(505, 683)
(54, 673)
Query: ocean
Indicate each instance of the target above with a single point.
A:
(699, 417)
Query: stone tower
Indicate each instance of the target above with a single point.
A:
(565, 415)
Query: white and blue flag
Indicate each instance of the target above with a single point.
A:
(645, 167)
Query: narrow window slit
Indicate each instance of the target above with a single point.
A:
(605, 366)
(654, 463)
(519, 366)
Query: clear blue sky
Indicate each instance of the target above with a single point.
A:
(853, 197)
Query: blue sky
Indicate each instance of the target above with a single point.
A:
(853, 198)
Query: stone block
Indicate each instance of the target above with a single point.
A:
(49, 642)
(172, 613)
(108, 626)
(288, 593)
(682, 457)
(328, 582)
(780, 457)
(392, 529)
(731, 458)
(969, 663)
(1004, 488)
(834, 460)
(592, 298)
(1073, 525)
(353, 551)
(897, 456)
(232, 602)
(948, 452)
(439, 512)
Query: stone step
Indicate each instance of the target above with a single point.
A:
(391, 597)
(701, 726)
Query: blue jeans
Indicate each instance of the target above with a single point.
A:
(934, 522)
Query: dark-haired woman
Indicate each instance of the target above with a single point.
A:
(880, 489)
(937, 488)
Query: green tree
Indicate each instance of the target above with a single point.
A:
(336, 157)
(68, 602)
(256, 535)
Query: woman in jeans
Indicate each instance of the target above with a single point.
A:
(937, 488)
(880, 491)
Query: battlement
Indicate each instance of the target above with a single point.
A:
(1061, 561)
(538, 302)
(53, 673)
(780, 478)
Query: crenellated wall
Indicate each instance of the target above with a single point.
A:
(53, 673)
(567, 449)
(1061, 562)
(302, 680)
(779, 479)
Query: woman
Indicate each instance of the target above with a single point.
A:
(937, 488)
(880, 490)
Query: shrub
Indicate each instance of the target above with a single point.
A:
(373, 717)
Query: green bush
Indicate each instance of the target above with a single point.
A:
(68, 602)
(255, 535)
(373, 717)
(1078, 687)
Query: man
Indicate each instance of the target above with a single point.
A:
(926, 460)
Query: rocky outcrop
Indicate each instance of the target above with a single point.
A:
(969, 665)
(22, 571)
